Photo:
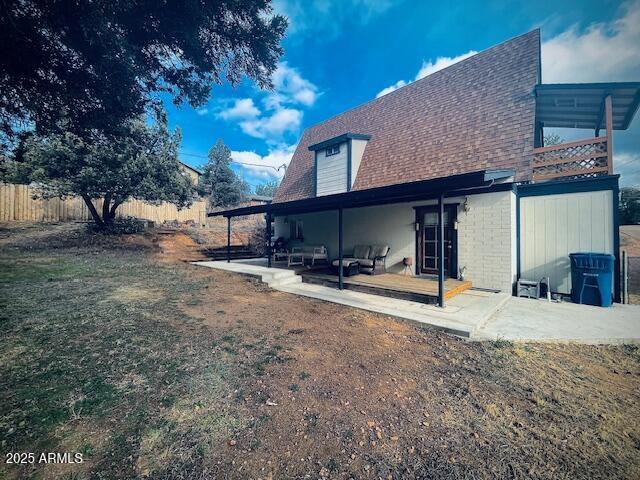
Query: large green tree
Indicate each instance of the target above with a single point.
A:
(139, 161)
(219, 181)
(99, 63)
(268, 189)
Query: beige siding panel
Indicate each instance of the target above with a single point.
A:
(553, 226)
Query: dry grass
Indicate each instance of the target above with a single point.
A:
(165, 370)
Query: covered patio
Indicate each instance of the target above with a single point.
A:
(435, 289)
(393, 285)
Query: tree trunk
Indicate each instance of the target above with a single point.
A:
(112, 211)
(92, 210)
(106, 218)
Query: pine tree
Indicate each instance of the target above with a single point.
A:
(219, 181)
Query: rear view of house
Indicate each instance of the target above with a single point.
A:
(452, 175)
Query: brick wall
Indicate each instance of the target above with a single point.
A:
(487, 240)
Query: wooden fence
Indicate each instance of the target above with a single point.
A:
(17, 203)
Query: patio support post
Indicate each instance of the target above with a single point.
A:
(340, 253)
(441, 250)
(268, 218)
(228, 239)
(608, 116)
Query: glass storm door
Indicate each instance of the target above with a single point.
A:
(428, 240)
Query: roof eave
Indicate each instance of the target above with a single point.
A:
(397, 193)
(339, 139)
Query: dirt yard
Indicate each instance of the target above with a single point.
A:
(150, 367)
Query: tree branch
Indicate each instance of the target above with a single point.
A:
(112, 212)
(92, 210)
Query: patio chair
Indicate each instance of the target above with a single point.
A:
(298, 255)
(370, 258)
(319, 253)
(377, 261)
(280, 250)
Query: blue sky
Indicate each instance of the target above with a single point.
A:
(341, 53)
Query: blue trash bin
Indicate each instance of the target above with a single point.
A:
(592, 278)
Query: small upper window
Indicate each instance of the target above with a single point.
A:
(334, 150)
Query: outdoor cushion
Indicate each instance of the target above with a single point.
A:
(345, 262)
(361, 251)
(365, 262)
(378, 251)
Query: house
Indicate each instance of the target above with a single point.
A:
(255, 199)
(451, 172)
(192, 173)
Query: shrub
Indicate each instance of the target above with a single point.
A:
(120, 226)
(258, 239)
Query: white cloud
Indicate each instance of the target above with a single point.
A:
(628, 166)
(242, 108)
(282, 108)
(441, 62)
(602, 52)
(427, 68)
(265, 166)
(391, 88)
(202, 111)
(272, 127)
(290, 85)
(328, 17)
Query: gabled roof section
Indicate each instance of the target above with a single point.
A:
(189, 167)
(476, 114)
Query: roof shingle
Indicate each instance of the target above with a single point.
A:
(476, 114)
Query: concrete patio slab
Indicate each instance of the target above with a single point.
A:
(523, 319)
(473, 314)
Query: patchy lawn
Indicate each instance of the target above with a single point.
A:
(150, 367)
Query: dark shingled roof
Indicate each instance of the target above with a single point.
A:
(476, 114)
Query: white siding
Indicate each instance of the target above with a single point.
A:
(332, 172)
(553, 226)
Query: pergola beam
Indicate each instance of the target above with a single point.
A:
(600, 115)
(608, 107)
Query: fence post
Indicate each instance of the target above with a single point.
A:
(625, 277)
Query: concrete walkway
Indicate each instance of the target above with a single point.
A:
(473, 314)
(523, 319)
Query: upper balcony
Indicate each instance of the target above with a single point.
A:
(584, 158)
(594, 106)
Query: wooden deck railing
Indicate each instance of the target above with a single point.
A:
(584, 158)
